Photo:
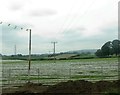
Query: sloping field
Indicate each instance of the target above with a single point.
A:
(65, 56)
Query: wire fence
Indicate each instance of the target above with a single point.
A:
(18, 77)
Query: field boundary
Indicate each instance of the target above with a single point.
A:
(18, 77)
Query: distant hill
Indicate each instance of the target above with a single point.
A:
(92, 51)
(77, 54)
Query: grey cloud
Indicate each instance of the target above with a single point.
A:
(110, 32)
(16, 6)
(10, 38)
(9, 35)
(73, 34)
(110, 29)
(118, 34)
(77, 29)
(80, 29)
(44, 12)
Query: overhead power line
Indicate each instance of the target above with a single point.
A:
(29, 59)
(73, 19)
(11, 25)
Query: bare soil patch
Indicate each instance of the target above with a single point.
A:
(79, 87)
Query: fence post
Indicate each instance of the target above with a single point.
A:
(9, 77)
(38, 74)
(89, 74)
(102, 73)
(70, 73)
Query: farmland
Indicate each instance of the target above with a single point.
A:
(48, 72)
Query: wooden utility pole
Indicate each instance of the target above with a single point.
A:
(29, 48)
(29, 59)
(15, 50)
(54, 43)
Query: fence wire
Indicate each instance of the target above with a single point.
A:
(18, 77)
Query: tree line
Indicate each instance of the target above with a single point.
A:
(110, 48)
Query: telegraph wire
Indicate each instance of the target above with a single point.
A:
(84, 13)
(70, 24)
(29, 59)
(15, 26)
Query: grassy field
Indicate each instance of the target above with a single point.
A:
(46, 71)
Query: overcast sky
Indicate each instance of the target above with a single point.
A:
(74, 24)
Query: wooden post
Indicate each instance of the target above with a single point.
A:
(29, 60)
